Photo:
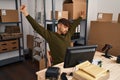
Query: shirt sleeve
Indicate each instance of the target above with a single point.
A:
(38, 28)
(74, 24)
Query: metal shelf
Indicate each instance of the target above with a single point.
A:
(11, 60)
(51, 20)
(9, 22)
(20, 40)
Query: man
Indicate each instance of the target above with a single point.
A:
(58, 41)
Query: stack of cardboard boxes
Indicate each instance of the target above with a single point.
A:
(11, 32)
(60, 14)
(72, 10)
(75, 9)
(105, 31)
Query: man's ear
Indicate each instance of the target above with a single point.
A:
(59, 25)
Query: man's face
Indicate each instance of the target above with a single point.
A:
(62, 29)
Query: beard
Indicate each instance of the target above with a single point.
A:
(64, 32)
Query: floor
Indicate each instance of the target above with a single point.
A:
(25, 70)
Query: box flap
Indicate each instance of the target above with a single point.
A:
(74, 1)
(67, 1)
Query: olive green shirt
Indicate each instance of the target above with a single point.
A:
(57, 43)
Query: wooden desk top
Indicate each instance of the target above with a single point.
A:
(109, 64)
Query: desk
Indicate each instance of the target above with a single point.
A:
(109, 64)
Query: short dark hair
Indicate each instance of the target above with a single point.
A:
(64, 22)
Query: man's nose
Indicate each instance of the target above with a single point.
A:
(66, 29)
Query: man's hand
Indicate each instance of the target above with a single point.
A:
(23, 9)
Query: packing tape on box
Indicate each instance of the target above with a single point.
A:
(100, 15)
(60, 14)
(3, 12)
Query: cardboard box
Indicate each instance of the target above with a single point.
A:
(30, 41)
(12, 29)
(5, 36)
(106, 17)
(8, 45)
(102, 33)
(119, 18)
(75, 9)
(42, 64)
(8, 15)
(60, 14)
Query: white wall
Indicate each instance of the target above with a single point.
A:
(92, 12)
(3, 4)
(105, 6)
(111, 6)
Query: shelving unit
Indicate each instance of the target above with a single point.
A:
(53, 15)
(19, 44)
(83, 24)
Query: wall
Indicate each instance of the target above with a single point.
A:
(92, 12)
(107, 6)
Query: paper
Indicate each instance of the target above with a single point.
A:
(87, 69)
